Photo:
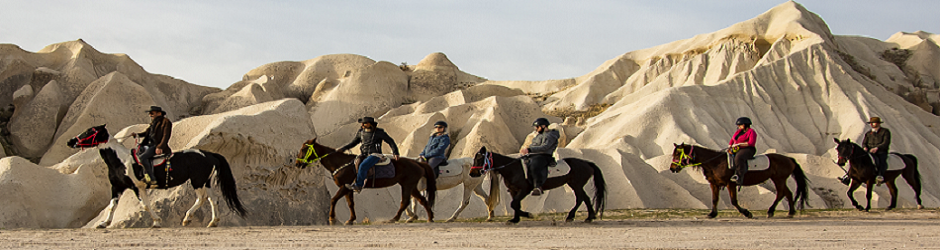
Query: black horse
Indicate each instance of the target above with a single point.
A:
(514, 177)
(194, 165)
(862, 170)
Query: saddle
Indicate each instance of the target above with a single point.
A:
(382, 169)
(758, 163)
(157, 160)
(894, 162)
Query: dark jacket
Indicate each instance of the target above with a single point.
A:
(371, 142)
(159, 134)
(880, 140)
(544, 143)
(437, 146)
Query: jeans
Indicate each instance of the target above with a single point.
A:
(881, 162)
(364, 167)
(144, 155)
(434, 163)
(537, 166)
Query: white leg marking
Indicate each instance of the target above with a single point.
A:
(200, 197)
(109, 211)
(145, 201)
(215, 219)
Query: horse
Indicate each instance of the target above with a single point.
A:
(862, 170)
(714, 165)
(407, 174)
(471, 185)
(195, 165)
(511, 170)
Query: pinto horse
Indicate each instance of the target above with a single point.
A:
(471, 185)
(194, 165)
(514, 177)
(862, 170)
(714, 165)
(407, 174)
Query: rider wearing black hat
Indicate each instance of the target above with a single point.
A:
(371, 138)
(539, 154)
(876, 142)
(156, 141)
(435, 152)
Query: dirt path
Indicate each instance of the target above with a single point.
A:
(907, 230)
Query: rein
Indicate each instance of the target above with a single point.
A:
(688, 158)
(84, 142)
(488, 164)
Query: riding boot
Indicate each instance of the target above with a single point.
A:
(149, 177)
(741, 170)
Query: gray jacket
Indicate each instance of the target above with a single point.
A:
(544, 143)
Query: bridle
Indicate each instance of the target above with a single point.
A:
(488, 164)
(311, 152)
(89, 141)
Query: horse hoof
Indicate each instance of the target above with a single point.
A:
(920, 206)
(185, 222)
(412, 219)
(101, 225)
(860, 208)
(747, 214)
(770, 214)
(430, 220)
(789, 216)
(512, 221)
(155, 226)
(589, 220)
(712, 215)
(391, 221)
(489, 220)
(348, 223)
(453, 219)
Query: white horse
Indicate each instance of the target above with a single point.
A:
(470, 185)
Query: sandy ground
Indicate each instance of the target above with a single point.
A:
(908, 229)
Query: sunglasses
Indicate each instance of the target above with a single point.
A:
(438, 126)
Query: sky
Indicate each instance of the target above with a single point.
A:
(213, 43)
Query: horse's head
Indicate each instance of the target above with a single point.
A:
(90, 138)
(310, 153)
(682, 157)
(482, 162)
(845, 149)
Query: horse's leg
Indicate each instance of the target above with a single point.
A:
(200, 197)
(911, 178)
(782, 191)
(145, 201)
(893, 190)
(516, 206)
(410, 211)
(215, 211)
(109, 211)
(405, 201)
(851, 193)
(419, 198)
(733, 192)
(352, 207)
(478, 190)
(715, 195)
(868, 194)
(463, 204)
(339, 194)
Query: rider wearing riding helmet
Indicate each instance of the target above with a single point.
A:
(742, 147)
(539, 154)
(435, 152)
(371, 138)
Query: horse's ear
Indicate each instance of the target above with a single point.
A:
(675, 145)
(837, 140)
(483, 149)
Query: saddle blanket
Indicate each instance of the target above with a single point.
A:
(894, 162)
(760, 162)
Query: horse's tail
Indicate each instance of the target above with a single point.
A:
(493, 199)
(431, 183)
(802, 185)
(226, 182)
(600, 190)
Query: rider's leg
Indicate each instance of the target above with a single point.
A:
(364, 169)
(145, 160)
(538, 169)
(740, 162)
(881, 163)
(435, 164)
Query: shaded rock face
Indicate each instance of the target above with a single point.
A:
(33, 126)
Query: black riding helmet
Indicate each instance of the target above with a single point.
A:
(743, 121)
(540, 122)
(440, 123)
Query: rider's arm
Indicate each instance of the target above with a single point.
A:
(439, 149)
(167, 130)
(544, 148)
(391, 143)
(354, 142)
(885, 142)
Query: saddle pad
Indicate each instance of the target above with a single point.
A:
(450, 170)
(382, 171)
(760, 162)
(560, 169)
(894, 162)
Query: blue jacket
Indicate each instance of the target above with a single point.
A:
(437, 146)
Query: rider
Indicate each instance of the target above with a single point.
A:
(371, 138)
(742, 147)
(156, 141)
(876, 142)
(434, 152)
(539, 154)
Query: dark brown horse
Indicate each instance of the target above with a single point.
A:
(862, 170)
(407, 174)
(714, 165)
(514, 177)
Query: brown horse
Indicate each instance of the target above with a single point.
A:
(862, 170)
(407, 174)
(515, 179)
(714, 165)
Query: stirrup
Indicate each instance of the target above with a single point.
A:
(537, 192)
(734, 178)
(879, 180)
(354, 188)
